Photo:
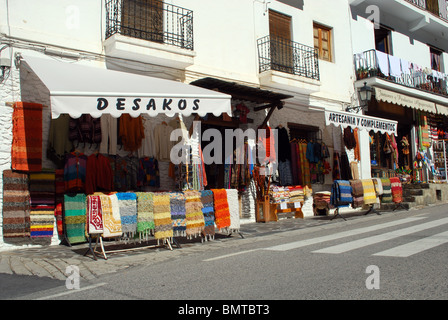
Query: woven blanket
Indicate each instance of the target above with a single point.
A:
(208, 211)
(178, 211)
(369, 191)
(387, 192)
(378, 186)
(357, 193)
(296, 194)
(145, 212)
(396, 188)
(163, 225)
(110, 211)
(75, 217)
(234, 209)
(193, 213)
(94, 215)
(127, 202)
(26, 149)
(42, 200)
(341, 193)
(16, 205)
(222, 213)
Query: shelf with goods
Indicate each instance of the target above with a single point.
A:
(440, 160)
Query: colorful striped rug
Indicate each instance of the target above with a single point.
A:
(387, 192)
(42, 200)
(222, 213)
(16, 205)
(234, 209)
(208, 210)
(341, 193)
(162, 216)
(26, 149)
(396, 189)
(59, 200)
(110, 210)
(145, 213)
(75, 217)
(369, 191)
(357, 193)
(177, 206)
(193, 214)
(127, 202)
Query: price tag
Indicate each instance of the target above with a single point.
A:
(283, 206)
(297, 205)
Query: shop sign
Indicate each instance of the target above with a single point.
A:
(346, 119)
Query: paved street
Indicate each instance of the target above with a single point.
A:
(396, 255)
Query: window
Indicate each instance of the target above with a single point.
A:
(322, 42)
(382, 40)
(143, 19)
(436, 58)
(281, 47)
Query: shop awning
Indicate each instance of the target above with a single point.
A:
(78, 89)
(362, 122)
(404, 100)
(442, 109)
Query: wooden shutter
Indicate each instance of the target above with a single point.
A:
(281, 45)
(322, 41)
(433, 6)
(142, 19)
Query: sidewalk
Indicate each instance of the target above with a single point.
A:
(52, 260)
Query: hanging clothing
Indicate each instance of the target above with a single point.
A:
(284, 149)
(357, 146)
(131, 132)
(349, 138)
(163, 144)
(58, 142)
(85, 129)
(99, 175)
(75, 172)
(109, 127)
(148, 173)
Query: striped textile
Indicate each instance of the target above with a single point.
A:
(178, 213)
(193, 214)
(378, 186)
(234, 208)
(222, 213)
(75, 217)
(59, 200)
(163, 225)
(208, 210)
(387, 192)
(16, 205)
(127, 202)
(145, 212)
(94, 215)
(369, 191)
(26, 149)
(341, 193)
(357, 193)
(42, 200)
(110, 211)
(396, 189)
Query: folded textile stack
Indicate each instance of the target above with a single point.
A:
(234, 208)
(321, 200)
(396, 189)
(145, 213)
(358, 193)
(110, 211)
(387, 192)
(209, 213)
(279, 194)
(42, 199)
(178, 213)
(193, 213)
(296, 194)
(162, 216)
(222, 213)
(127, 202)
(75, 217)
(369, 191)
(16, 205)
(341, 194)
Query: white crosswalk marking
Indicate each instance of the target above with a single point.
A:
(417, 246)
(352, 245)
(303, 243)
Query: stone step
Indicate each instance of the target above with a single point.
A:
(412, 192)
(392, 206)
(408, 199)
(415, 186)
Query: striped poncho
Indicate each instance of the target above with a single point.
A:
(369, 191)
(396, 189)
(209, 213)
(387, 192)
(357, 193)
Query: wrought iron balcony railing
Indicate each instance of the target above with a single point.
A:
(373, 63)
(151, 20)
(436, 7)
(287, 56)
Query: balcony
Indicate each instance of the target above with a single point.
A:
(285, 64)
(436, 7)
(150, 31)
(383, 70)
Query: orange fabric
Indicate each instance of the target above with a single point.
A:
(131, 132)
(357, 147)
(26, 149)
